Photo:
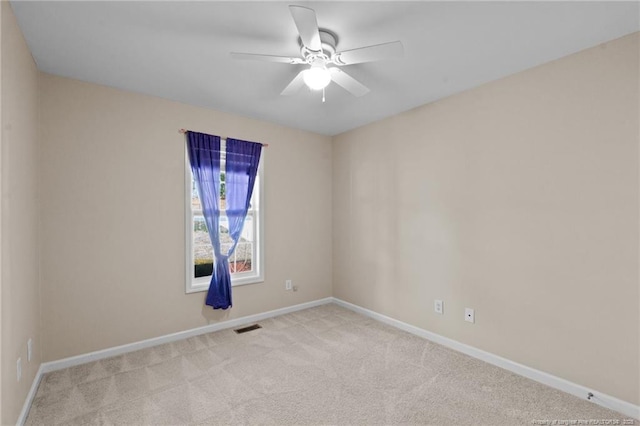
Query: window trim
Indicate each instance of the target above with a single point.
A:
(195, 285)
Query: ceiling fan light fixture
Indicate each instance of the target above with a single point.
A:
(317, 77)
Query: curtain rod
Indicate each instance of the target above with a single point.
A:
(183, 131)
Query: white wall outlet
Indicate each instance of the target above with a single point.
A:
(19, 369)
(29, 349)
(469, 315)
(438, 306)
(287, 285)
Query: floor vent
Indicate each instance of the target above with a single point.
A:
(248, 328)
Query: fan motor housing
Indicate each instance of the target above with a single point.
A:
(328, 41)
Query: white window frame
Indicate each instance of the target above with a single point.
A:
(194, 284)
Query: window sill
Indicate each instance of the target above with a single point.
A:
(197, 287)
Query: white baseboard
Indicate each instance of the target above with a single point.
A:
(580, 391)
(47, 367)
(32, 393)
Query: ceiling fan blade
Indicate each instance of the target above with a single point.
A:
(295, 85)
(307, 25)
(378, 52)
(266, 58)
(348, 83)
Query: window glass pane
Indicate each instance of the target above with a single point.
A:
(223, 190)
(202, 250)
(242, 258)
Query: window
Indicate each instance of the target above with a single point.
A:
(246, 262)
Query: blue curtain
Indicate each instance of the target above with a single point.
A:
(240, 175)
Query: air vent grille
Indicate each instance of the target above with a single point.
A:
(248, 328)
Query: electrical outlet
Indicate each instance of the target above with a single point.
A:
(287, 285)
(469, 315)
(29, 349)
(19, 368)
(438, 306)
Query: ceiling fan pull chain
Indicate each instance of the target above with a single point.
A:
(323, 95)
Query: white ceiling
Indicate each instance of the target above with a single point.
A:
(180, 50)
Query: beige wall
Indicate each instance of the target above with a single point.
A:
(19, 176)
(112, 217)
(1, 356)
(518, 199)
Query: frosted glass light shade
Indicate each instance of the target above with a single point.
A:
(317, 77)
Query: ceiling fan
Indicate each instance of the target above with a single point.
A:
(318, 50)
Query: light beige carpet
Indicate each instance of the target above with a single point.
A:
(324, 365)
